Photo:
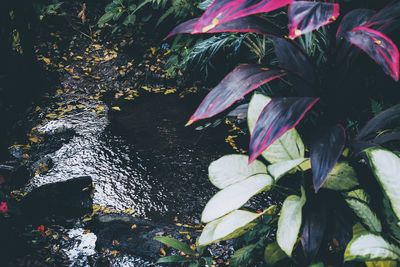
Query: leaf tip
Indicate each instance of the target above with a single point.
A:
(190, 122)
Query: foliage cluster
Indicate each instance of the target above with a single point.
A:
(340, 182)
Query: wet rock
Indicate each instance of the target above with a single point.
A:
(130, 235)
(52, 142)
(62, 200)
(14, 173)
(42, 165)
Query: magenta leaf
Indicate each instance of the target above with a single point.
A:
(185, 27)
(379, 47)
(379, 122)
(292, 58)
(306, 16)
(354, 18)
(245, 24)
(314, 225)
(325, 153)
(279, 116)
(238, 83)
(387, 19)
(222, 11)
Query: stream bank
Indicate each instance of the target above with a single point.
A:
(107, 164)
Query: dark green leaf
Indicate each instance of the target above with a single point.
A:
(176, 244)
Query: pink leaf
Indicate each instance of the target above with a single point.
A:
(222, 11)
(241, 81)
(245, 24)
(279, 116)
(379, 47)
(307, 16)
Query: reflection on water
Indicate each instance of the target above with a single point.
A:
(145, 159)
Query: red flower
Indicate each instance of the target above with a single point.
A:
(3, 207)
(41, 229)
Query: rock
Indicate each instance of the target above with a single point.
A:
(62, 200)
(130, 235)
(14, 173)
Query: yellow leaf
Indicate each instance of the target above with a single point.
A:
(116, 108)
(34, 139)
(46, 60)
(163, 252)
(52, 116)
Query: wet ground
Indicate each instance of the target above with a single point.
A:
(120, 121)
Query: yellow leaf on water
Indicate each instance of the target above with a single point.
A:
(34, 139)
(116, 108)
(46, 60)
(52, 116)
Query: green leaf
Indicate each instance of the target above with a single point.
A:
(173, 259)
(231, 169)
(317, 264)
(367, 216)
(278, 170)
(176, 244)
(230, 226)
(342, 178)
(381, 264)
(105, 18)
(234, 196)
(130, 20)
(288, 147)
(386, 167)
(289, 222)
(273, 254)
(370, 247)
(242, 257)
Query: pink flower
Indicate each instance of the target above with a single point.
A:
(3, 207)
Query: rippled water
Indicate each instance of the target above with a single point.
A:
(143, 159)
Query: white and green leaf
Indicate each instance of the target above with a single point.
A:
(289, 222)
(230, 226)
(234, 196)
(278, 170)
(342, 178)
(231, 169)
(367, 216)
(288, 147)
(370, 247)
(386, 167)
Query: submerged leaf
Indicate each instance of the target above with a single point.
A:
(241, 81)
(279, 116)
(234, 196)
(222, 11)
(325, 153)
(306, 16)
(379, 47)
(231, 169)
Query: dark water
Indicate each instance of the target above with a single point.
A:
(144, 159)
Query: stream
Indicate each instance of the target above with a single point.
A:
(128, 135)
